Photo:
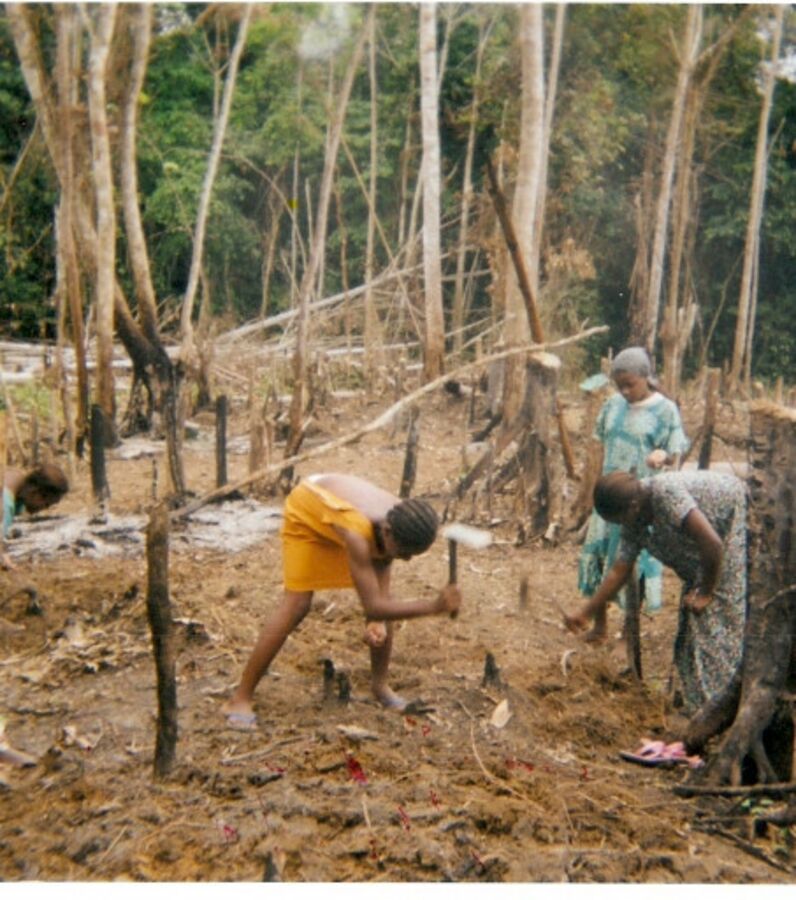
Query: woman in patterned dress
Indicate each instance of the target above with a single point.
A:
(695, 523)
(639, 431)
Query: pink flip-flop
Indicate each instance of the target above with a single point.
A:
(661, 754)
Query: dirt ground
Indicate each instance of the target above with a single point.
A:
(511, 781)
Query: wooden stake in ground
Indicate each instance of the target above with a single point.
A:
(221, 441)
(709, 422)
(410, 460)
(99, 479)
(162, 628)
(632, 629)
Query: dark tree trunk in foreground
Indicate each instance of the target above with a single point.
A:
(162, 628)
(753, 705)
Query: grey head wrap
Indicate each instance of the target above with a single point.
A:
(634, 360)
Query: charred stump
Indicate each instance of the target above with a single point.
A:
(410, 459)
(532, 465)
(759, 744)
(162, 628)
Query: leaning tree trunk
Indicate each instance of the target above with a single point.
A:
(753, 701)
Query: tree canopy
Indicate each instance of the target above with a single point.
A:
(615, 90)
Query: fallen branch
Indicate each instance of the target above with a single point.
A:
(744, 845)
(380, 421)
(751, 790)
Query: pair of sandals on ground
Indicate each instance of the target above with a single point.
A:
(659, 753)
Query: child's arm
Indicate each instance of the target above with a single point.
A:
(375, 596)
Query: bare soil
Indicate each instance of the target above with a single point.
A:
(331, 791)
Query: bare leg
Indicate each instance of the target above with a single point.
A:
(295, 605)
(379, 666)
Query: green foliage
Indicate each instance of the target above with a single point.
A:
(615, 90)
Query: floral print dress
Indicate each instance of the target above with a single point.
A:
(629, 432)
(709, 644)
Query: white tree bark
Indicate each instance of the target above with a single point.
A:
(140, 26)
(434, 356)
(370, 309)
(744, 328)
(300, 357)
(101, 20)
(525, 209)
(688, 57)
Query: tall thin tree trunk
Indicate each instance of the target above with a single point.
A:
(166, 382)
(66, 27)
(219, 131)
(370, 308)
(434, 348)
(301, 353)
(525, 206)
(457, 320)
(101, 20)
(550, 105)
(688, 58)
(745, 324)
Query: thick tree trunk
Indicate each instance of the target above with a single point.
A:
(525, 208)
(768, 665)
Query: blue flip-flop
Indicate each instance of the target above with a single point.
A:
(242, 721)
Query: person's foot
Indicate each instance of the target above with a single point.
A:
(240, 715)
(388, 698)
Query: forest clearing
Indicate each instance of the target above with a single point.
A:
(483, 256)
(327, 790)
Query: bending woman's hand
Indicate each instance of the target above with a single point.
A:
(697, 601)
(575, 623)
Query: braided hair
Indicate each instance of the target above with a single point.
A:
(413, 524)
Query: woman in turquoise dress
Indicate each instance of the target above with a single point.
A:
(640, 431)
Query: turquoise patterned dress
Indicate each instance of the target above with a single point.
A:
(10, 509)
(629, 432)
(708, 645)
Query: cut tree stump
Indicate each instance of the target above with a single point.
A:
(754, 705)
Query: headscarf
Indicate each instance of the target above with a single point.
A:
(634, 360)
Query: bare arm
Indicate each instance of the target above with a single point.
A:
(372, 585)
(711, 554)
(614, 580)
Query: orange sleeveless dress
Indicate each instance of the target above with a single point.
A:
(314, 556)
